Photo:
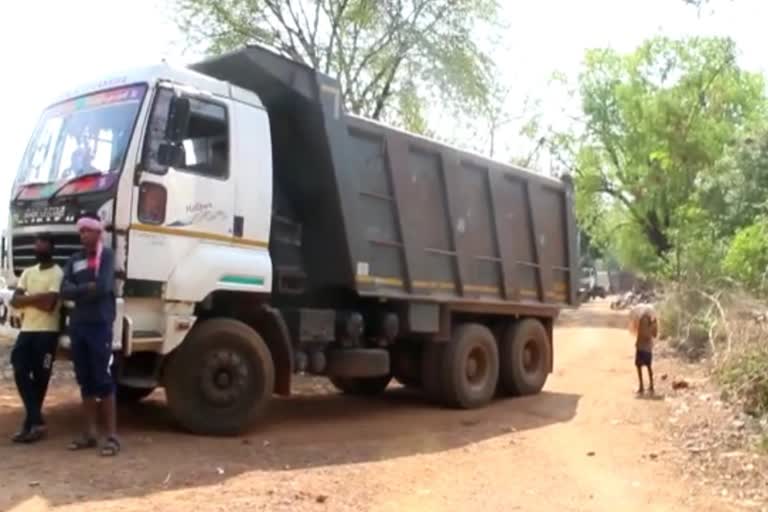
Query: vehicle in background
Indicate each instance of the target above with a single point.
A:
(593, 284)
(9, 319)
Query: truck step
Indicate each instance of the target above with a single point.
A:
(138, 382)
(147, 334)
(146, 341)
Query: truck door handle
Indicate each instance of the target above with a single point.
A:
(237, 227)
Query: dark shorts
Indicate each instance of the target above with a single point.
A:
(92, 359)
(34, 350)
(643, 358)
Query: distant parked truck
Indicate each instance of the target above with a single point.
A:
(9, 319)
(260, 231)
(593, 284)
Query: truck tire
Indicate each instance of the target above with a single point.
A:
(470, 367)
(432, 357)
(525, 353)
(409, 381)
(220, 379)
(363, 386)
(131, 395)
(356, 363)
(406, 364)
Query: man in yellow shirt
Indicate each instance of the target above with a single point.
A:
(37, 297)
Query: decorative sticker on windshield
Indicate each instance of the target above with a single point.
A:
(36, 191)
(122, 95)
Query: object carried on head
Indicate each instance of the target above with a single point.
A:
(637, 313)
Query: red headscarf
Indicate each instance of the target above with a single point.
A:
(94, 261)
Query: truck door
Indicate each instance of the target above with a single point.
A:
(185, 194)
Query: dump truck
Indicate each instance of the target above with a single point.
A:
(261, 232)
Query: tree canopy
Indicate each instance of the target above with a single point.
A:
(658, 124)
(390, 56)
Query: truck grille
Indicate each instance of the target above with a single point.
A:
(66, 244)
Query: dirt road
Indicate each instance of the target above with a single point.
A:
(586, 444)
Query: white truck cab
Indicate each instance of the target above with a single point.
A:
(195, 215)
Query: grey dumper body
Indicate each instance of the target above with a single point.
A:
(381, 212)
(389, 248)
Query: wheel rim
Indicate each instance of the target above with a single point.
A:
(531, 357)
(476, 367)
(224, 377)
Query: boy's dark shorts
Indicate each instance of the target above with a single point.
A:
(92, 359)
(643, 358)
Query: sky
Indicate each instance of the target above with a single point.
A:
(47, 46)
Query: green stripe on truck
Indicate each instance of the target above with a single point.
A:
(251, 281)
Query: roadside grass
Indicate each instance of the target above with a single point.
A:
(744, 377)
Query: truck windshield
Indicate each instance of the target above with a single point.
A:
(86, 135)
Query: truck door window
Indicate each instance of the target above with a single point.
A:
(205, 144)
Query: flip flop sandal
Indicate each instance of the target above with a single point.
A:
(20, 436)
(35, 434)
(110, 448)
(83, 443)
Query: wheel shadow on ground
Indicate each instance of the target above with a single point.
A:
(305, 431)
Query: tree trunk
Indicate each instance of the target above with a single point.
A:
(657, 236)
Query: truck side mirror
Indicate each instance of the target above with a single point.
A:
(178, 119)
(171, 155)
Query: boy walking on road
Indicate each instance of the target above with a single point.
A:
(646, 328)
(37, 296)
(89, 281)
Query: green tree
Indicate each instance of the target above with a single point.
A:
(656, 122)
(390, 56)
(737, 191)
(747, 256)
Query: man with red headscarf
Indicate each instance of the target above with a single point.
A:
(89, 279)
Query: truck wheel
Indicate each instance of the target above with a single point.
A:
(362, 386)
(131, 395)
(357, 363)
(406, 364)
(432, 357)
(525, 354)
(470, 367)
(220, 379)
(409, 381)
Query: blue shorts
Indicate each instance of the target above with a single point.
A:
(92, 359)
(643, 358)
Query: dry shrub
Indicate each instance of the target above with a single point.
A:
(686, 319)
(743, 372)
(728, 328)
